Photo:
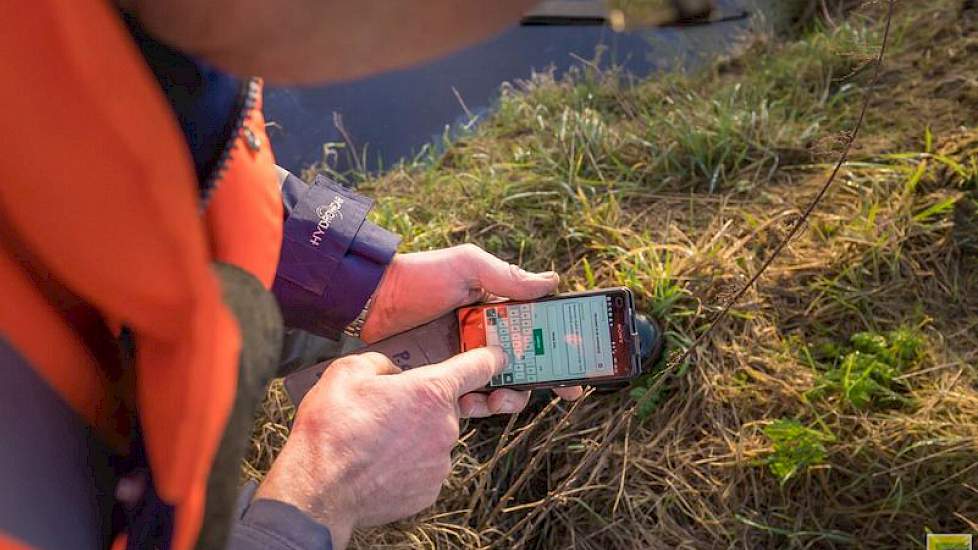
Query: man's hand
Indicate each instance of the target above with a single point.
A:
(423, 286)
(368, 448)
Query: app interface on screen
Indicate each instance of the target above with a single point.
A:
(555, 340)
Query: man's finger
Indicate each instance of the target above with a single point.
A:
(508, 401)
(376, 363)
(572, 393)
(466, 372)
(474, 405)
(507, 280)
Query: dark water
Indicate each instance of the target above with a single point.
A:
(394, 115)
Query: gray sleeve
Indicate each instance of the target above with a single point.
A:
(301, 349)
(274, 525)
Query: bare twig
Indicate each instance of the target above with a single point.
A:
(341, 128)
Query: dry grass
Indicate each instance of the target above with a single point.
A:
(678, 188)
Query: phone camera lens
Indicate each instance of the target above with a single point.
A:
(619, 302)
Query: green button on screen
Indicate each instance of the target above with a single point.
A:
(538, 341)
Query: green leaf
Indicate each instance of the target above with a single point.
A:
(588, 273)
(941, 207)
(796, 448)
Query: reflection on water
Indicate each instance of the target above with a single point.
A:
(393, 116)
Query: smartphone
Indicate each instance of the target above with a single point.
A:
(583, 338)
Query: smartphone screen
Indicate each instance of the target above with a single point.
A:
(583, 337)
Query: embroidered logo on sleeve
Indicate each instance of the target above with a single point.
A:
(326, 216)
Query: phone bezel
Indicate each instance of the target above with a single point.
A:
(629, 330)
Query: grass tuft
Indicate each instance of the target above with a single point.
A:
(868, 374)
(795, 448)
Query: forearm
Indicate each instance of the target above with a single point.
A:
(332, 258)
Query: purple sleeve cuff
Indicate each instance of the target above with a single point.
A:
(332, 258)
(275, 525)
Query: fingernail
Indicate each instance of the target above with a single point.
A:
(524, 273)
(498, 350)
(510, 406)
(546, 275)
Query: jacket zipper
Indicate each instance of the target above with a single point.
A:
(246, 101)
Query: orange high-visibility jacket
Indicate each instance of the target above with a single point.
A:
(102, 234)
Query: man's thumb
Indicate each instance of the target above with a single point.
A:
(466, 372)
(504, 279)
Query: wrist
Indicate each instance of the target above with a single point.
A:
(355, 328)
(372, 328)
(292, 484)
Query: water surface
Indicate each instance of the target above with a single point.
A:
(394, 115)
